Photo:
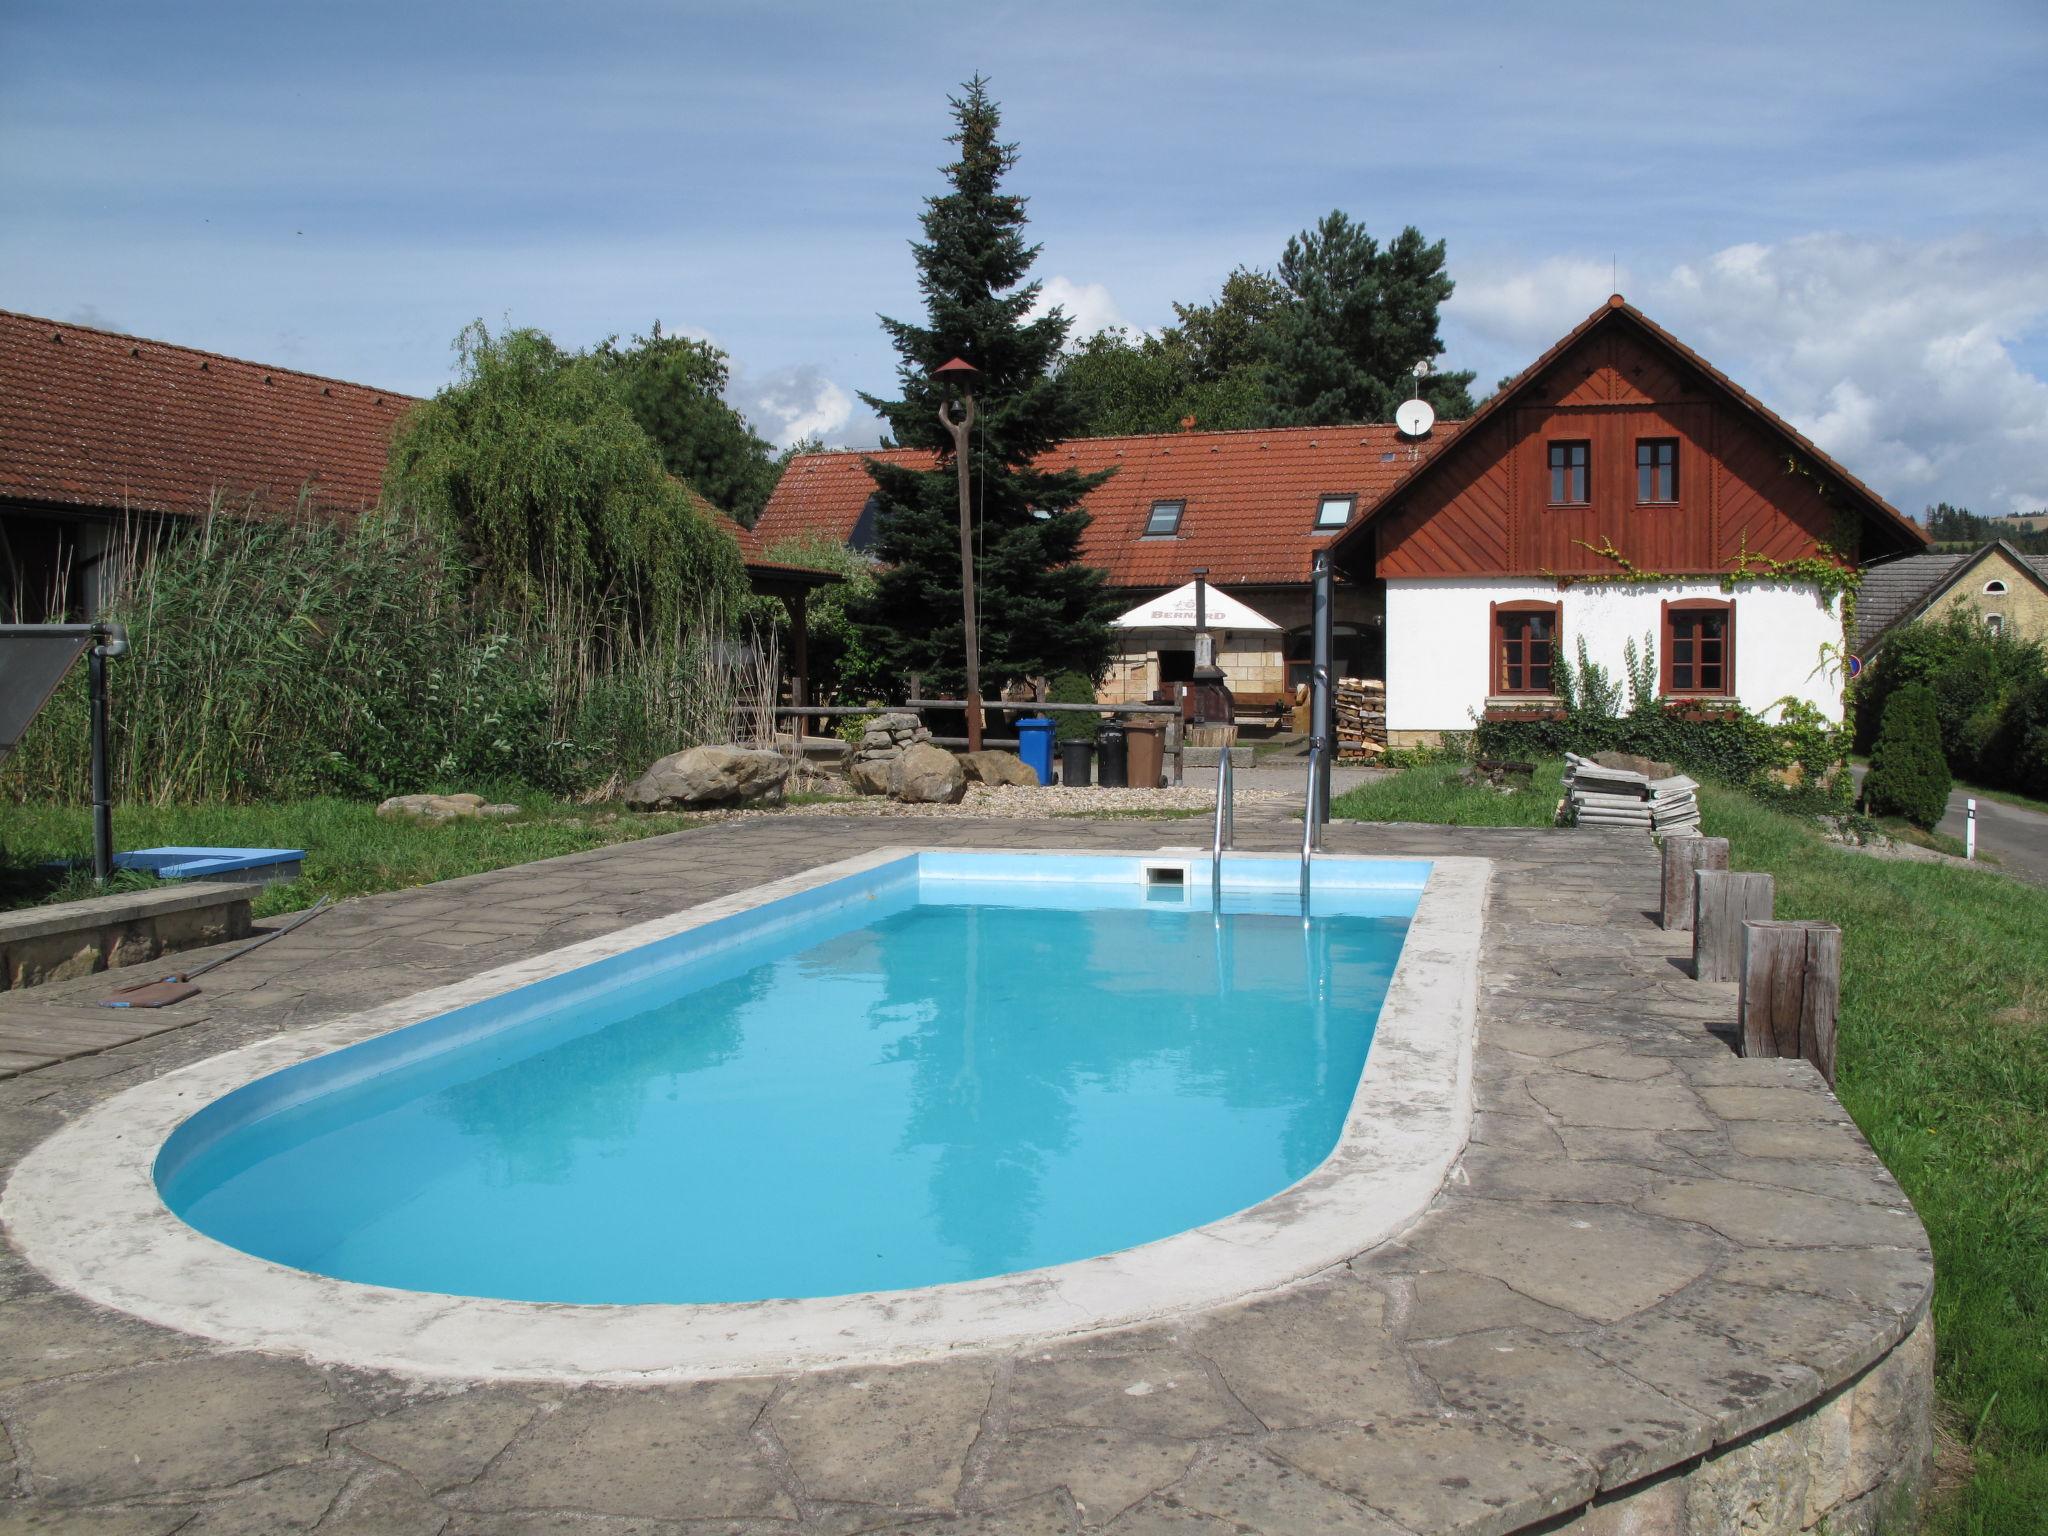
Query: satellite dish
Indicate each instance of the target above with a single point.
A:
(1414, 418)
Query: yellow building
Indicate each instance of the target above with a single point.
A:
(2006, 589)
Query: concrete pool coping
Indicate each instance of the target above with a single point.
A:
(124, 1248)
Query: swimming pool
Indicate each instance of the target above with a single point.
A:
(909, 1101)
(950, 1067)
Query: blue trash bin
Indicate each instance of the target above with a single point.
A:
(1034, 745)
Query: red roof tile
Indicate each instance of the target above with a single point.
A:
(94, 419)
(1251, 496)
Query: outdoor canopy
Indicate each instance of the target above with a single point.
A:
(1176, 610)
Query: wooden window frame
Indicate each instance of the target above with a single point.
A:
(1666, 645)
(1350, 511)
(1496, 656)
(1676, 454)
(1180, 511)
(1551, 467)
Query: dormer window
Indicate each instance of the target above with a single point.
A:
(1164, 522)
(1334, 511)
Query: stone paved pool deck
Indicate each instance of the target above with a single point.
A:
(1665, 1290)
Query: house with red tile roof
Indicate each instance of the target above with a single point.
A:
(1253, 508)
(1621, 491)
(99, 430)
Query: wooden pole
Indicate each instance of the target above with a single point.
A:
(799, 655)
(1722, 903)
(960, 429)
(1791, 980)
(1683, 857)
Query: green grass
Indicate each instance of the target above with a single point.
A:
(350, 850)
(2004, 797)
(1944, 1064)
(1435, 795)
(1899, 830)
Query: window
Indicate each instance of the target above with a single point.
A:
(1699, 648)
(1657, 469)
(1571, 473)
(1994, 588)
(1995, 622)
(1334, 511)
(1164, 522)
(1524, 642)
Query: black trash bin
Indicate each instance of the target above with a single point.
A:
(1076, 760)
(1113, 756)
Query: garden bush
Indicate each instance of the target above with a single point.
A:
(1908, 775)
(301, 656)
(1983, 687)
(1073, 725)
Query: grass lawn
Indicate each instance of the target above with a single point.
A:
(350, 850)
(1434, 794)
(1944, 1064)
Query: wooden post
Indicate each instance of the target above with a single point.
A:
(1173, 746)
(799, 658)
(1722, 903)
(1791, 991)
(1683, 856)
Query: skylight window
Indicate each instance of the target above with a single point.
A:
(1334, 511)
(1164, 522)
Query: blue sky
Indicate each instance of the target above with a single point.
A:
(1843, 205)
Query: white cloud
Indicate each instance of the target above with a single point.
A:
(1896, 356)
(1088, 305)
(792, 403)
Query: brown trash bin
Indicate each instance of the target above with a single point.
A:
(1147, 745)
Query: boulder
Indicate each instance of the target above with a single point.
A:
(433, 807)
(710, 776)
(927, 775)
(992, 767)
(870, 776)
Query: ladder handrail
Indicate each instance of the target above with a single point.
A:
(1309, 825)
(1226, 823)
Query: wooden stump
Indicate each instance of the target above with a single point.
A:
(1683, 857)
(1791, 991)
(1722, 903)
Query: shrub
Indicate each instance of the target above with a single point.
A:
(1073, 725)
(1974, 675)
(1908, 775)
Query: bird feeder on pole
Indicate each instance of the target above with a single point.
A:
(960, 375)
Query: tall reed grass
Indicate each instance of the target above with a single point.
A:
(301, 656)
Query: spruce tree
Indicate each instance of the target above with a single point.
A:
(1040, 612)
(1908, 776)
(1360, 319)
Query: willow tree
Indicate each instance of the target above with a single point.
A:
(533, 459)
(1041, 613)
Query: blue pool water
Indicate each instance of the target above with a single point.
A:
(949, 1068)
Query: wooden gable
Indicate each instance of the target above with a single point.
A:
(1745, 482)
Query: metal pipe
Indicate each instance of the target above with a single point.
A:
(1226, 826)
(111, 640)
(1322, 726)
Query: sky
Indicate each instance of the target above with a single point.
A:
(1842, 205)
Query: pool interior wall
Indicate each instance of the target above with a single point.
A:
(603, 1135)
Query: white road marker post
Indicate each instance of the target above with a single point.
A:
(1970, 831)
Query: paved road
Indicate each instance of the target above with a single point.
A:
(2016, 838)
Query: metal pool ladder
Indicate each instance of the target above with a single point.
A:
(1226, 825)
(1311, 824)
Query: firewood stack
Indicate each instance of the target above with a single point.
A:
(1361, 709)
(1600, 795)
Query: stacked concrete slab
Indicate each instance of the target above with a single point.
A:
(1603, 795)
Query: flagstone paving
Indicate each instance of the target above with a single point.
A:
(1665, 1289)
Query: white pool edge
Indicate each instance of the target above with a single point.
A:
(83, 1206)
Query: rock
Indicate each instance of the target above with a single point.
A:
(927, 775)
(992, 767)
(504, 808)
(870, 776)
(710, 776)
(433, 807)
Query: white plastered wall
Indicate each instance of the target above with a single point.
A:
(1439, 650)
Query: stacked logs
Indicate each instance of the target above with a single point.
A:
(1361, 710)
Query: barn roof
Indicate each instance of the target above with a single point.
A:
(95, 419)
